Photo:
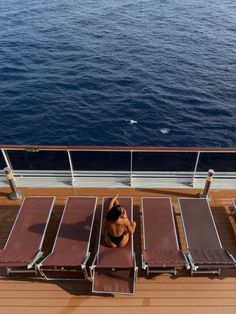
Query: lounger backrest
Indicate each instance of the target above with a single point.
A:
(74, 233)
(121, 257)
(28, 231)
(159, 229)
(199, 226)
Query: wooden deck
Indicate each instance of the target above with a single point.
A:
(162, 294)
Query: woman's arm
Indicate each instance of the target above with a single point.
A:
(114, 201)
(131, 226)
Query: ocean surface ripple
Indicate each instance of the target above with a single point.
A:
(76, 72)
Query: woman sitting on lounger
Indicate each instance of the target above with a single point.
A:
(117, 225)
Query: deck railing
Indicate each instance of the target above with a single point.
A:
(118, 166)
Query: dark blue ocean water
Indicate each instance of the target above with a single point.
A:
(74, 72)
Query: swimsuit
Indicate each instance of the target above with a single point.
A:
(116, 240)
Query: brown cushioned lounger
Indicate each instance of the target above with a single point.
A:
(234, 203)
(24, 245)
(205, 251)
(161, 252)
(114, 269)
(70, 252)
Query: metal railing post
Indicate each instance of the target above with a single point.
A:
(131, 168)
(195, 168)
(15, 193)
(71, 168)
(209, 179)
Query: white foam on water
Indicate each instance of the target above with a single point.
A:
(165, 130)
(133, 122)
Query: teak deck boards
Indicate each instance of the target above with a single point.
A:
(162, 294)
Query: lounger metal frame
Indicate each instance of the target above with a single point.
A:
(87, 255)
(93, 266)
(145, 266)
(195, 268)
(31, 267)
(234, 203)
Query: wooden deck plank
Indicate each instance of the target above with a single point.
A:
(139, 294)
(132, 310)
(141, 285)
(118, 302)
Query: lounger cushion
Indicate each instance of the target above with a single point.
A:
(210, 256)
(8, 258)
(118, 257)
(73, 239)
(114, 269)
(25, 239)
(160, 242)
(164, 258)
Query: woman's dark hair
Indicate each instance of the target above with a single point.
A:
(114, 213)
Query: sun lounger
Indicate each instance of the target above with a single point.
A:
(234, 203)
(114, 270)
(70, 252)
(205, 251)
(161, 251)
(24, 245)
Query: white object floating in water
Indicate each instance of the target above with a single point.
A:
(133, 122)
(164, 131)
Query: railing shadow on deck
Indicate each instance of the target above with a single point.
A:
(166, 192)
(5, 194)
(8, 215)
(225, 228)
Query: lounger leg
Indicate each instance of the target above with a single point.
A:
(136, 273)
(83, 266)
(92, 267)
(36, 258)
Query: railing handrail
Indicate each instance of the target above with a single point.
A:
(122, 148)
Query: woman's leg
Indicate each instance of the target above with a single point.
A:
(124, 240)
(108, 241)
